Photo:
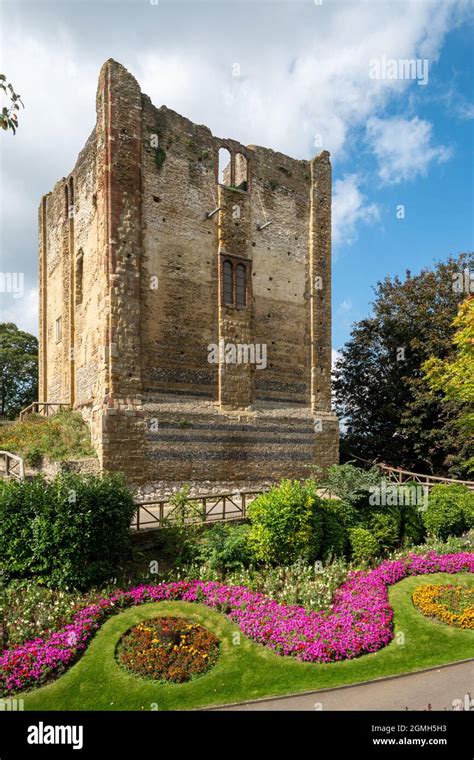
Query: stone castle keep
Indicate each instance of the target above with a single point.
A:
(187, 313)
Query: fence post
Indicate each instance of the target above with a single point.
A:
(243, 503)
(138, 516)
(204, 513)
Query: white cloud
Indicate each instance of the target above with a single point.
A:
(349, 209)
(21, 311)
(304, 71)
(404, 147)
(345, 306)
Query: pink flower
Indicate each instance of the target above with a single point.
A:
(358, 621)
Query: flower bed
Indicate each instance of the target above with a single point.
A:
(453, 605)
(168, 649)
(358, 621)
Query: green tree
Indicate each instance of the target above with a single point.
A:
(9, 116)
(390, 413)
(18, 369)
(453, 379)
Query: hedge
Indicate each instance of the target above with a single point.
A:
(70, 532)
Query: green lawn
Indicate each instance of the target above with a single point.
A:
(246, 670)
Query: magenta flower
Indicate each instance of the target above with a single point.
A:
(358, 621)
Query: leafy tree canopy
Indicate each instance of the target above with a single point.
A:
(18, 369)
(391, 413)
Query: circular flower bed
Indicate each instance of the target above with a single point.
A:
(359, 619)
(168, 649)
(453, 605)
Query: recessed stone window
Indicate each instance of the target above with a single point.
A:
(234, 283)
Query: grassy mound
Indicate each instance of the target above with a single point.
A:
(62, 436)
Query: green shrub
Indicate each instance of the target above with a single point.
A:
(468, 510)
(364, 545)
(449, 511)
(71, 532)
(385, 527)
(335, 538)
(349, 483)
(285, 523)
(412, 528)
(34, 456)
(225, 547)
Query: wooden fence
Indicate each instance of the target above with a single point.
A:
(202, 509)
(207, 508)
(405, 476)
(11, 466)
(44, 408)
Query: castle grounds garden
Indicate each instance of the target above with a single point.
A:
(308, 593)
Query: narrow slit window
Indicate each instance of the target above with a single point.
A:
(79, 276)
(240, 285)
(228, 283)
(58, 330)
(71, 198)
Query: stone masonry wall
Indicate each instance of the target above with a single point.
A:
(135, 271)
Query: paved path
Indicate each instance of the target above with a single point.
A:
(439, 688)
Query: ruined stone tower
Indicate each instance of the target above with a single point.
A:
(187, 313)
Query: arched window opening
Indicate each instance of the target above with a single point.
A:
(66, 201)
(224, 169)
(228, 283)
(240, 285)
(241, 172)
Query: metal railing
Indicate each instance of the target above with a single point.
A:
(209, 508)
(405, 476)
(44, 408)
(11, 466)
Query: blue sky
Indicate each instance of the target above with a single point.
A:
(438, 205)
(303, 71)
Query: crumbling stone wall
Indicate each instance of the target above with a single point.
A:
(135, 270)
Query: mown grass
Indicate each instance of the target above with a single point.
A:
(64, 435)
(246, 670)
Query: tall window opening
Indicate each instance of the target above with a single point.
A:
(228, 283)
(79, 274)
(240, 285)
(234, 283)
(224, 169)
